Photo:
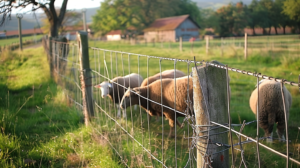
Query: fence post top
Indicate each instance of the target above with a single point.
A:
(81, 33)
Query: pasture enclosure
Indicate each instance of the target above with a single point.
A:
(229, 136)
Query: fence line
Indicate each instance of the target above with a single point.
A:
(68, 70)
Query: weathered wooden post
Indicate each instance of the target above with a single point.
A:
(180, 43)
(85, 76)
(246, 47)
(207, 44)
(221, 46)
(20, 16)
(50, 57)
(210, 104)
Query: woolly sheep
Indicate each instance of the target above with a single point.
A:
(270, 108)
(164, 74)
(167, 96)
(116, 92)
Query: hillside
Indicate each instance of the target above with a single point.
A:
(215, 4)
(29, 21)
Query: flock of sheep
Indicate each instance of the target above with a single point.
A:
(133, 90)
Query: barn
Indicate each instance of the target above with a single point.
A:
(172, 28)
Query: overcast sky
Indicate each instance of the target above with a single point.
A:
(72, 4)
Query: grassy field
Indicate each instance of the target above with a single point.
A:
(38, 128)
(9, 41)
(277, 64)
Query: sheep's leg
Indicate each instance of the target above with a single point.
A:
(135, 107)
(280, 131)
(179, 124)
(124, 113)
(171, 132)
(119, 112)
(269, 133)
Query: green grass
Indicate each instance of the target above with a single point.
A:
(276, 63)
(37, 125)
(10, 41)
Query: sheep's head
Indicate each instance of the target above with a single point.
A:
(104, 87)
(129, 98)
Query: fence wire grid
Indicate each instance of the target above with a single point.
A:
(140, 140)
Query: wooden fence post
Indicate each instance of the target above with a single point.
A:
(50, 57)
(85, 76)
(207, 44)
(246, 47)
(180, 43)
(210, 104)
(221, 46)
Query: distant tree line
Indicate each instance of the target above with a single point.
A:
(228, 20)
(139, 14)
(232, 19)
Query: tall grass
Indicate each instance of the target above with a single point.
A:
(38, 128)
(263, 61)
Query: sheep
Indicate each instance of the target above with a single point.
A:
(164, 74)
(167, 96)
(116, 92)
(271, 107)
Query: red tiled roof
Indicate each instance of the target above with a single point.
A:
(169, 23)
(114, 32)
(25, 32)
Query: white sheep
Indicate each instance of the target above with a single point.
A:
(168, 98)
(116, 92)
(270, 108)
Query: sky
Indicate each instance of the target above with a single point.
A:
(72, 4)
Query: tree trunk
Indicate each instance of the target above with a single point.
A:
(253, 28)
(54, 29)
(270, 28)
(264, 31)
(276, 30)
(283, 29)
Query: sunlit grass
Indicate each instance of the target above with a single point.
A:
(38, 128)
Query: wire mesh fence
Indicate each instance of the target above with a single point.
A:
(146, 135)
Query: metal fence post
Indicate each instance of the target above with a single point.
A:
(85, 76)
(210, 104)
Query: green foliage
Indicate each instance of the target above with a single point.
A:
(126, 14)
(292, 9)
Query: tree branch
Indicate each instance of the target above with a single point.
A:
(62, 11)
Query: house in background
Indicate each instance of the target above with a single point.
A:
(172, 28)
(114, 35)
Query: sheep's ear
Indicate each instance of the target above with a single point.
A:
(109, 85)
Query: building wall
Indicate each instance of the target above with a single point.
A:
(158, 36)
(186, 30)
(114, 37)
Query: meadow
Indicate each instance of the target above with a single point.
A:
(275, 62)
(37, 125)
(10, 41)
(38, 128)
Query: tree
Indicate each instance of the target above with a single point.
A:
(47, 6)
(72, 18)
(292, 9)
(125, 14)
